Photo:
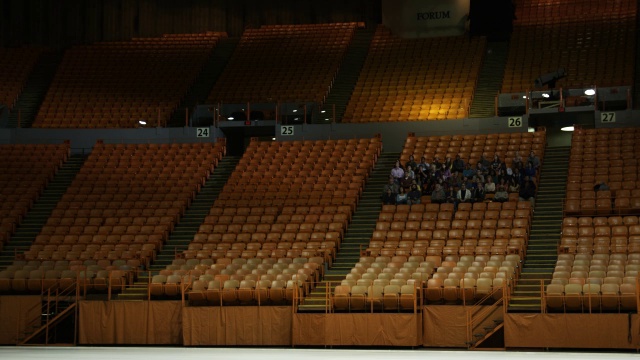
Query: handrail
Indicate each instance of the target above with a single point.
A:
(478, 313)
(52, 303)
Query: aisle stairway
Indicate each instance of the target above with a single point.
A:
(35, 89)
(542, 251)
(489, 80)
(200, 89)
(41, 210)
(347, 75)
(358, 232)
(187, 226)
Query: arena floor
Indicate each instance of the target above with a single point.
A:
(177, 353)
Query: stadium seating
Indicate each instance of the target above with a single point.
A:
(26, 170)
(593, 47)
(416, 79)
(118, 212)
(15, 67)
(603, 155)
(151, 77)
(269, 63)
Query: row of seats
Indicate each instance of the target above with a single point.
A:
(467, 280)
(592, 297)
(472, 147)
(476, 217)
(361, 298)
(40, 280)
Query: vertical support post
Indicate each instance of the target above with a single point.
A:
(46, 330)
(186, 117)
(305, 113)
(159, 118)
(333, 106)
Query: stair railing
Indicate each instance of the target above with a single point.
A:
(478, 313)
(51, 304)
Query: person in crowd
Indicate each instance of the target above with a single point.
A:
(496, 164)
(437, 163)
(517, 175)
(389, 198)
(397, 172)
(485, 163)
(413, 197)
(391, 186)
(508, 174)
(517, 161)
(464, 195)
(528, 192)
(489, 186)
(499, 174)
(468, 172)
(438, 196)
(402, 197)
(469, 183)
(445, 172)
(409, 172)
(534, 160)
(458, 165)
(448, 163)
(601, 186)
(411, 163)
(530, 170)
(481, 171)
(452, 194)
(514, 185)
(406, 182)
(501, 191)
(423, 169)
(428, 186)
(478, 193)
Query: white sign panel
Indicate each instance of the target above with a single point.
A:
(286, 130)
(515, 121)
(202, 132)
(607, 117)
(425, 18)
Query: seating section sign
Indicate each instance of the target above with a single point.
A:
(425, 18)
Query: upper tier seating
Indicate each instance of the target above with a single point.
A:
(284, 63)
(122, 205)
(595, 48)
(116, 84)
(25, 172)
(15, 66)
(416, 79)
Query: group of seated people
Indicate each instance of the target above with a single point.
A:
(456, 181)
